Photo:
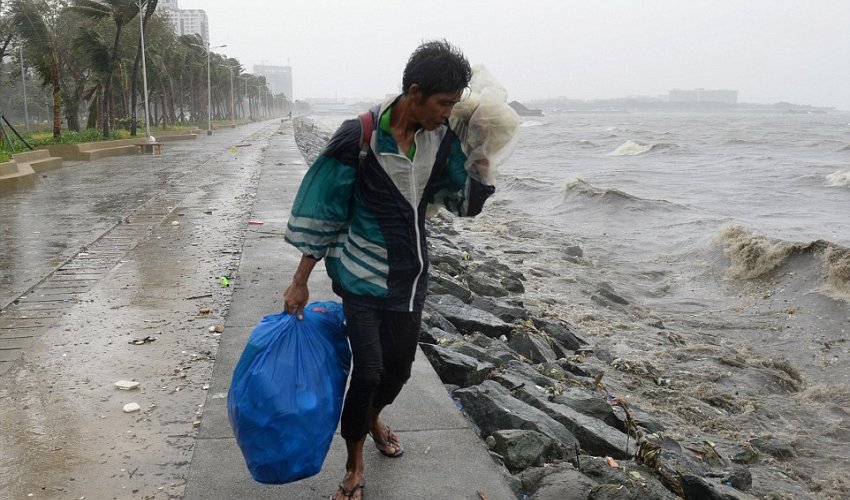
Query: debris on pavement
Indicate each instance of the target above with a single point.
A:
(256, 222)
(204, 296)
(145, 340)
(131, 407)
(224, 281)
(217, 329)
(127, 385)
(175, 223)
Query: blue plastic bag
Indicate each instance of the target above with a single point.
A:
(286, 394)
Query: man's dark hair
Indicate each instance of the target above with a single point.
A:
(437, 66)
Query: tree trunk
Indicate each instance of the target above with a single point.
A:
(107, 90)
(94, 111)
(57, 104)
(163, 101)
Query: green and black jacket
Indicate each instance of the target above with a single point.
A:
(368, 222)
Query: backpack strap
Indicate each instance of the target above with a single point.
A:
(367, 126)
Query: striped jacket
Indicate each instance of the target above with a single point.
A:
(369, 222)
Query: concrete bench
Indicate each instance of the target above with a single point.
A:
(40, 160)
(96, 154)
(160, 137)
(149, 147)
(13, 175)
(94, 150)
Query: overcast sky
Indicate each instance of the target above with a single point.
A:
(768, 50)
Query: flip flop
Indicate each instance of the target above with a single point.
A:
(350, 493)
(399, 448)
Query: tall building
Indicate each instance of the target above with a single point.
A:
(279, 78)
(186, 22)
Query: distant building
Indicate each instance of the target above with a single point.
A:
(522, 110)
(278, 78)
(186, 22)
(703, 95)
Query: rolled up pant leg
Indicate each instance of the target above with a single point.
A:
(383, 345)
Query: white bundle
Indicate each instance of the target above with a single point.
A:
(486, 125)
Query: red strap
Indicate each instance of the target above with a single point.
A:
(367, 124)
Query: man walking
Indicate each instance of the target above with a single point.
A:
(363, 209)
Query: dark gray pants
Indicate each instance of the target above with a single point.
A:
(383, 345)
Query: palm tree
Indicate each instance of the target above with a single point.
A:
(95, 48)
(121, 12)
(36, 23)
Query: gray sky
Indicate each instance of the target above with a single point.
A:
(768, 50)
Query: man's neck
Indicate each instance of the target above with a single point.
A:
(401, 117)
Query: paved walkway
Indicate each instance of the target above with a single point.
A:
(444, 459)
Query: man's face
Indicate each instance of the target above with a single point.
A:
(434, 110)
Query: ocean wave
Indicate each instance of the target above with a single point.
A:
(634, 148)
(531, 123)
(840, 178)
(580, 188)
(753, 255)
(523, 184)
(739, 141)
(845, 148)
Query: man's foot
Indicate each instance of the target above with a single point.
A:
(351, 487)
(386, 440)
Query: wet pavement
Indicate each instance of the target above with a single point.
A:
(112, 271)
(97, 255)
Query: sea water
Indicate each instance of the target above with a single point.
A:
(726, 235)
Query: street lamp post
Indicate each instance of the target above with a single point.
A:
(209, 90)
(144, 72)
(24, 88)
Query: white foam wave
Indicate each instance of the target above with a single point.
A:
(840, 178)
(632, 148)
(531, 123)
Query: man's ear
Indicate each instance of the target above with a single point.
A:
(415, 93)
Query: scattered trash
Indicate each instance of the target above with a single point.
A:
(481, 495)
(145, 340)
(256, 222)
(217, 329)
(204, 310)
(175, 223)
(219, 395)
(663, 382)
(204, 296)
(224, 281)
(131, 407)
(127, 385)
(610, 461)
(232, 149)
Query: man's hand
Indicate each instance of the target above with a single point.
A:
(295, 298)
